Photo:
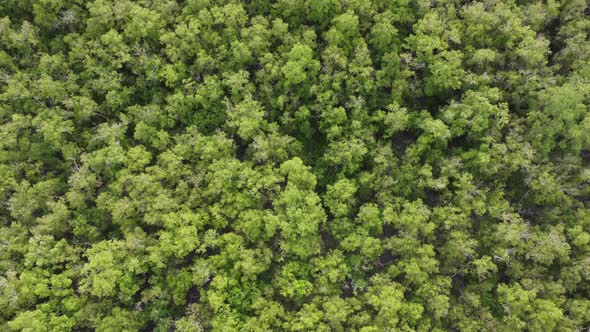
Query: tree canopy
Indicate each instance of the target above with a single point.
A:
(294, 165)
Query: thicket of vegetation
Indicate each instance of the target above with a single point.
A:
(294, 165)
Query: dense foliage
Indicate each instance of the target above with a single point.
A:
(294, 165)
